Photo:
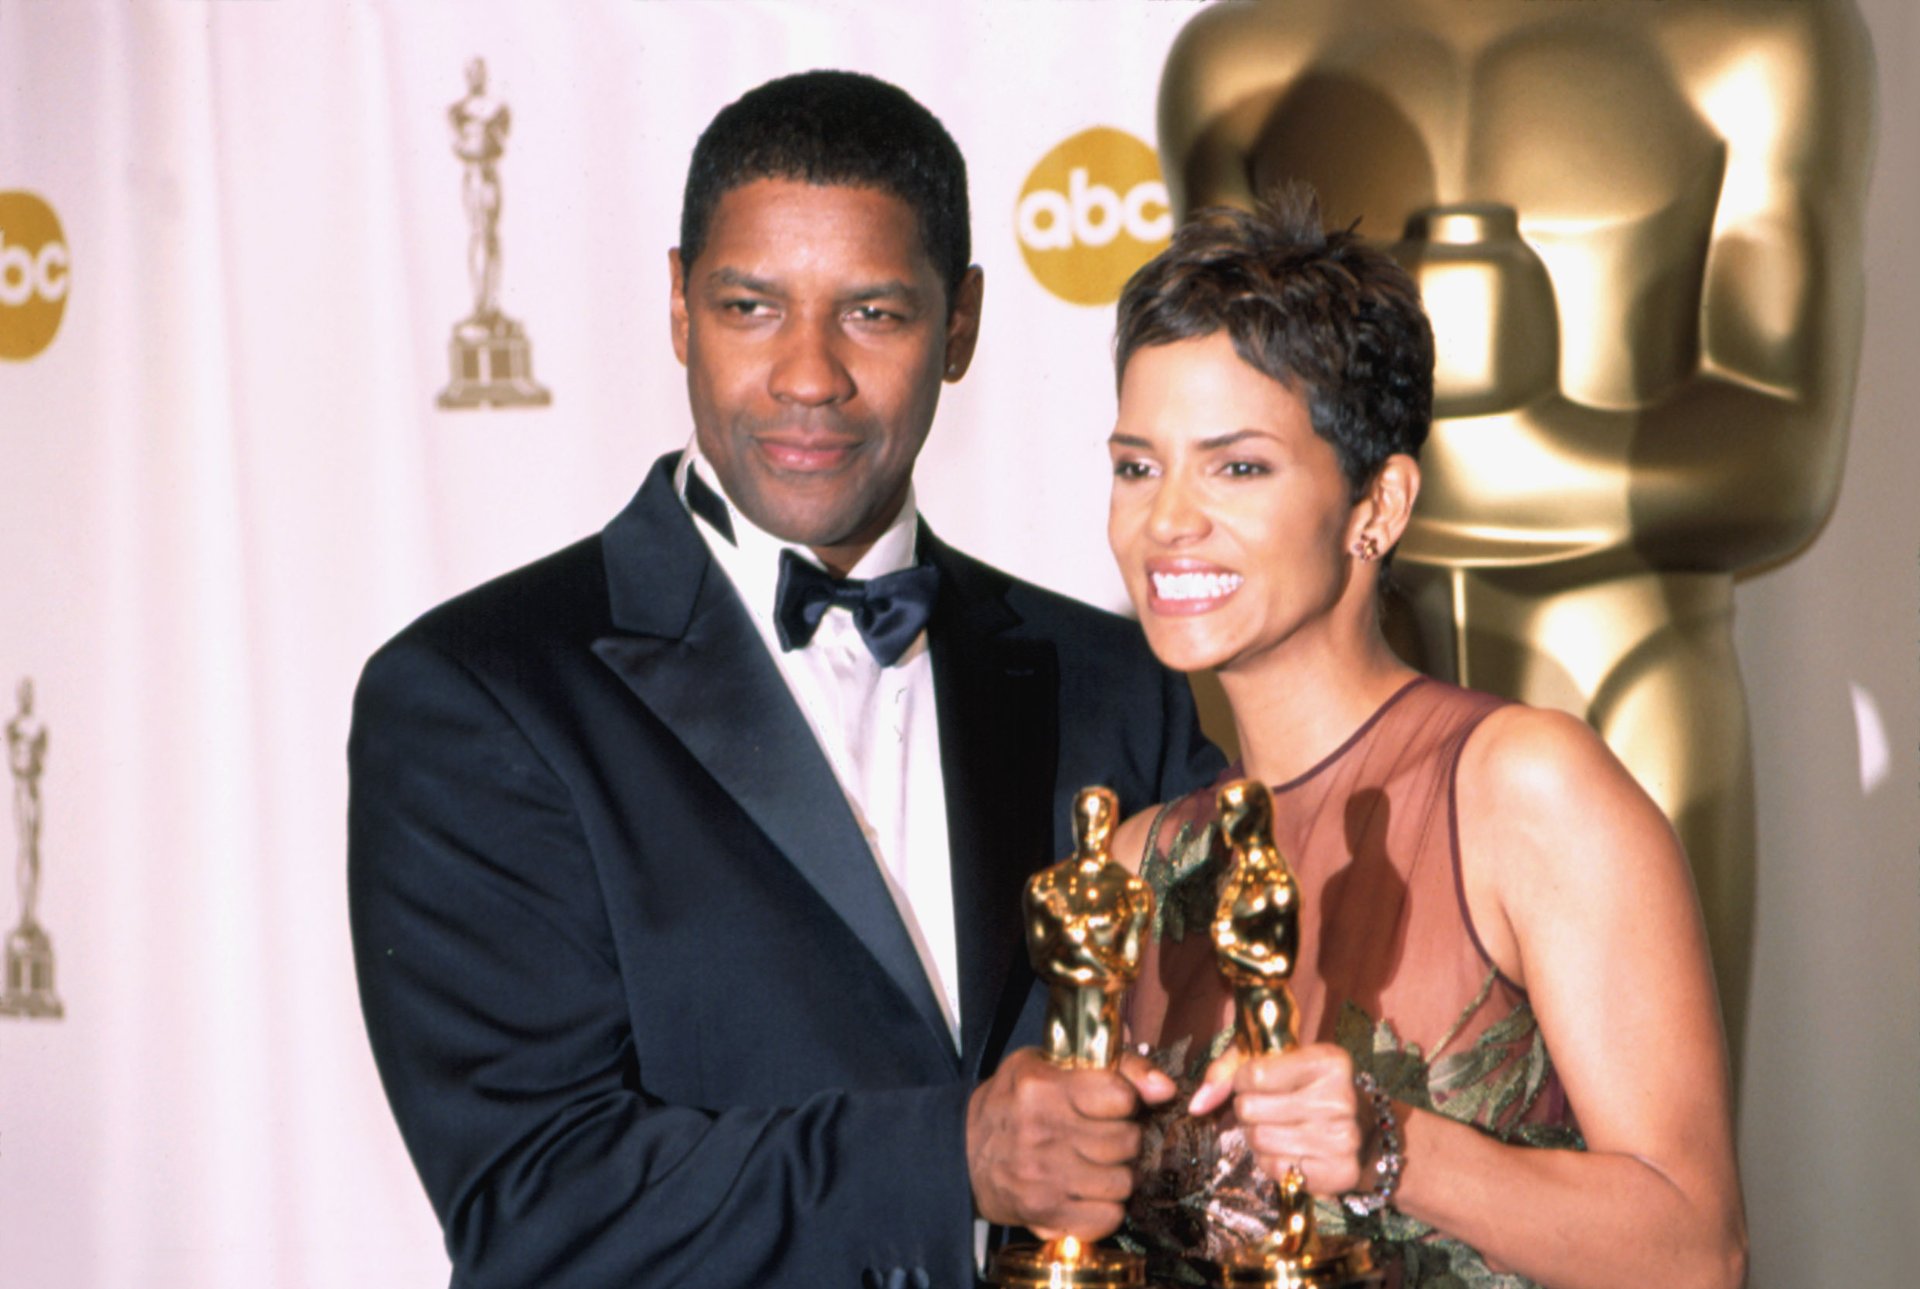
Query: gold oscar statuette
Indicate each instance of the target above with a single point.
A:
(1087, 920)
(1256, 938)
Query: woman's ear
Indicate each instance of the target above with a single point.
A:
(1395, 489)
(1383, 511)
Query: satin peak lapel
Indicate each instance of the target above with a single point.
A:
(999, 731)
(694, 658)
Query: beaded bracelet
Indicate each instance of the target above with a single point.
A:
(1391, 1160)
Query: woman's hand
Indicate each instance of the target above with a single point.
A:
(1298, 1109)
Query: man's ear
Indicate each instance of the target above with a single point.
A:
(963, 323)
(677, 308)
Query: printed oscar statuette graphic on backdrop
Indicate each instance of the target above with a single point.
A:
(491, 356)
(33, 275)
(1093, 210)
(29, 990)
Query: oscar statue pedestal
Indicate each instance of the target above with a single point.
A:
(492, 364)
(29, 990)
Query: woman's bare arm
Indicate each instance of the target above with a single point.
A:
(1581, 894)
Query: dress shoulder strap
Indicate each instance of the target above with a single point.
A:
(1454, 754)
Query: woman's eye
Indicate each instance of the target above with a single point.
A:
(1244, 469)
(1131, 469)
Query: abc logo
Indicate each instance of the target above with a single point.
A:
(33, 275)
(1094, 210)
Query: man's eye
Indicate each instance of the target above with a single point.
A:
(874, 313)
(745, 308)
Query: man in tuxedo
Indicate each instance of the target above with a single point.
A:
(685, 864)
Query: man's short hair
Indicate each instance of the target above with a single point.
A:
(835, 128)
(1338, 322)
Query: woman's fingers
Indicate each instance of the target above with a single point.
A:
(1300, 1109)
(1216, 1089)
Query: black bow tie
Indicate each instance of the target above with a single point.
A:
(889, 612)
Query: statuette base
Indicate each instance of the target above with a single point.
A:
(1336, 1264)
(1055, 1266)
(492, 364)
(29, 989)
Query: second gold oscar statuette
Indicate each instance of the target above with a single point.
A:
(1256, 939)
(1087, 919)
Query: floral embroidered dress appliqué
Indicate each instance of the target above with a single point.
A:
(1198, 1192)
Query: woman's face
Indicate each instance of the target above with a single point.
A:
(1230, 517)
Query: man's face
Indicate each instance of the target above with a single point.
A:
(816, 331)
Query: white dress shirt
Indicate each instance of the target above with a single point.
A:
(878, 726)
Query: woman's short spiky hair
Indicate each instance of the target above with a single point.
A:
(1338, 322)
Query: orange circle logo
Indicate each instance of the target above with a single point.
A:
(1092, 212)
(33, 275)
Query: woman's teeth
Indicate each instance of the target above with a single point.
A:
(1194, 586)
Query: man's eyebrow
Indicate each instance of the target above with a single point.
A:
(740, 280)
(732, 279)
(890, 289)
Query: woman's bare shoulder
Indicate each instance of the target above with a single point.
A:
(1548, 807)
(1537, 760)
(1130, 838)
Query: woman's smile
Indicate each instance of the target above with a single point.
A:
(1184, 588)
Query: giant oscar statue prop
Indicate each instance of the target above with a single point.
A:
(1087, 920)
(1637, 229)
(1256, 936)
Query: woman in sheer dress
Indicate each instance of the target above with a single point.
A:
(1500, 930)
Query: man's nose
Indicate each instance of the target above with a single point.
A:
(808, 368)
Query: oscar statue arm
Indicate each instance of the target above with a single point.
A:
(1241, 938)
(519, 1060)
(1058, 941)
(1132, 946)
(1760, 436)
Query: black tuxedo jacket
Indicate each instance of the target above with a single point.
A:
(641, 1002)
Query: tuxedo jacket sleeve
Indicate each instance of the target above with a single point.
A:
(636, 989)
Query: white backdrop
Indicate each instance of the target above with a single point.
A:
(225, 481)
